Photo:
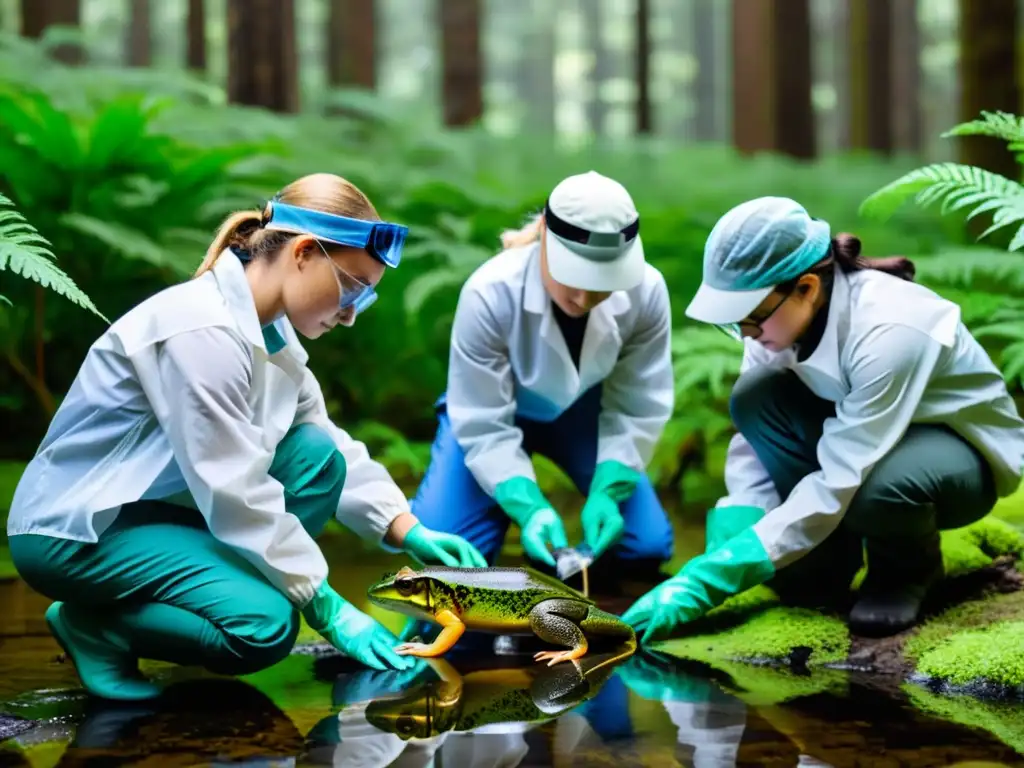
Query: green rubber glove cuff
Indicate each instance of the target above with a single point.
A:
(736, 566)
(520, 498)
(615, 480)
(416, 539)
(321, 612)
(723, 523)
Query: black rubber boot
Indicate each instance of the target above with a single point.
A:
(900, 573)
(821, 578)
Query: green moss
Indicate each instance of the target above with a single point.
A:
(766, 686)
(1004, 721)
(754, 626)
(976, 614)
(769, 633)
(991, 654)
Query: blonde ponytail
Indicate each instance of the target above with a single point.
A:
(530, 233)
(236, 231)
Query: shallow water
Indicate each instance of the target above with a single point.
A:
(469, 712)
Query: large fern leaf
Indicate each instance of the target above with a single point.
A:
(997, 125)
(25, 252)
(706, 361)
(956, 187)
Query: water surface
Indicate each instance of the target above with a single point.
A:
(472, 712)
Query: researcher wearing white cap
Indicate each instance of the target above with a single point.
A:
(868, 419)
(560, 345)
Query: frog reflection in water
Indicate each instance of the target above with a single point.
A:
(505, 601)
(507, 700)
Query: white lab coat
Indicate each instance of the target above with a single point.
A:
(180, 400)
(508, 358)
(893, 353)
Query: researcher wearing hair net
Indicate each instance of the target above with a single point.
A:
(868, 419)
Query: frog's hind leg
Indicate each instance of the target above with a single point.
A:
(558, 622)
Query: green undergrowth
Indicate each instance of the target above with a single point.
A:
(754, 626)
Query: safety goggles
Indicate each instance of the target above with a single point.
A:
(381, 239)
(352, 292)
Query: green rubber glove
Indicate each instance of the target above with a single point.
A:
(723, 523)
(353, 632)
(702, 584)
(430, 546)
(659, 677)
(540, 525)
(602, 522)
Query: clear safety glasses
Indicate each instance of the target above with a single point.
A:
(382, 240)
(352, 292)
(750, 327)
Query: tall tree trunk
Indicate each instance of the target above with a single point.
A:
(139, 42)
(705, 91)
(535, 74)
(906, 77)
(196, 33)
(593, 29)
(871, 102)
(841, 67)
(262, 59)
(988, 76)
(644, 121)
(37, 15)
(462, 62)
(772, 77)
(351, 43)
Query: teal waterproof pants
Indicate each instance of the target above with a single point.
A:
(160, 586)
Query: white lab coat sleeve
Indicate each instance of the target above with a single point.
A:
(638, 396)
(206, 375)
(747, 482)
(888, 370)
(371, 499)
(481, 398)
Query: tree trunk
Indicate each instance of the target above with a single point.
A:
(705, 92)
(37, 15)
(906, 77)
(196, 33)
(643, 67)
(139, 44)
(772, 77)
(871, 72)
(462, 64)
(351, 43)
(535, 74)
(593, 30)
(262, 60)
(988, 67)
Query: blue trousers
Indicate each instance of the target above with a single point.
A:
(449, 498)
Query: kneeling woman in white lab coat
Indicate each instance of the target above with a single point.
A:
(868, 420)
(560, 346)
(172, 505)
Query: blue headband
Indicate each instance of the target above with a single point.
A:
(381, 239)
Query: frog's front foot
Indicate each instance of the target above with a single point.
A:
(554, 657)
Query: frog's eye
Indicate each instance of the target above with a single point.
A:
(407, 586)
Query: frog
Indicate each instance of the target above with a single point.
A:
(510, 699)
(500, 600)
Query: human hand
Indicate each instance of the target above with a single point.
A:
(544, 529)
(602, 523)
(430, 546)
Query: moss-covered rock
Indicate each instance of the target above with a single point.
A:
(961, 645)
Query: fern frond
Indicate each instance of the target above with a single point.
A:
(956, 187)
(998, 125)
(25, 252)
(704, 360)
(972, 268)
